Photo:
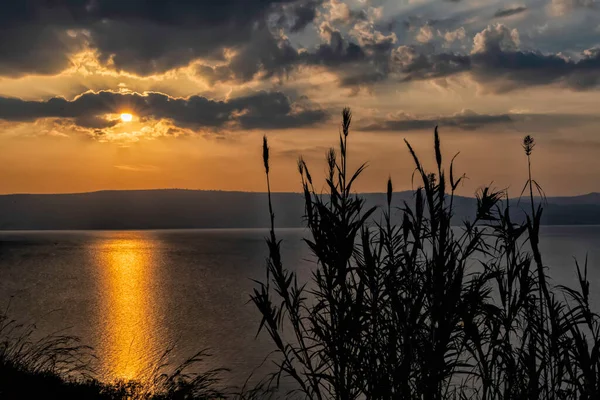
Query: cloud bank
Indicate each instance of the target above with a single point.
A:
(262, 110)
(238, 41)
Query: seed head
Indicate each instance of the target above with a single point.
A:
(346, 120)
(528, 144)
(266, 153)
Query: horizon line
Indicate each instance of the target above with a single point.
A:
(241, 191)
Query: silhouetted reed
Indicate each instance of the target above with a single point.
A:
(59, 367)
(414, 308)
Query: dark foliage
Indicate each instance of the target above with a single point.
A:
(416, 309)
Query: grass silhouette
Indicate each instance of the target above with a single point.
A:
(59, 367)
(416, 309)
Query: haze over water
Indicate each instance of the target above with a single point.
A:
(133, 294)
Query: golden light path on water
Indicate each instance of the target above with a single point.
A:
(129, 306)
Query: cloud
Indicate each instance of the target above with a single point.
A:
(228, 40)
(297, 15)
(469, 120)
(496, 60)
(30, 48)
(352, 46)
(238, 41)
(265, 56)
(355, 63)
(338, 11)
(496, 38)
(562, 7)
(509, 11)
(498, 64)
(453, 36)
(505, 71)
(140, 36)
(464, 120)
(425, 34)
(261, 110)
(412, 64)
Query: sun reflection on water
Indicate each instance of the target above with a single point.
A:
(128, 282)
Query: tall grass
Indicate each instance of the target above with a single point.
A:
(409, 307)
(58, 366)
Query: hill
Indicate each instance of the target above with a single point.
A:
(178, 209)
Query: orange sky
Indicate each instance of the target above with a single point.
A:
(199, 111)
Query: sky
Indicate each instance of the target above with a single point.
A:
(203, 81)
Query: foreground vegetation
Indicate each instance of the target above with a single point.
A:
(59, 367)
(415, 309)
(401, 306)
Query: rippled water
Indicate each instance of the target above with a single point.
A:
(133, 294)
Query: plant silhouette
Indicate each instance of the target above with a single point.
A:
(411, 307)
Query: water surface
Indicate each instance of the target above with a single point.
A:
(133, 294)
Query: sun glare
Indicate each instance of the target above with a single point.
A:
(126, 117)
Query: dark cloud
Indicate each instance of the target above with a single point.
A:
(94, 122)
(336, 52)
(465, 120)
(507, 12)
(191, 29)
(141, 36)
(469, 120)
(30, 45)
(298, 15)
(504, 71)
(495, 61)
(147, 36)
(414, 65)
(262, 110)
(498, 64)
(267, 56)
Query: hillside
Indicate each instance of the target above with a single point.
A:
(173, 209)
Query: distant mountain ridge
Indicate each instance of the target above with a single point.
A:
(181, 208)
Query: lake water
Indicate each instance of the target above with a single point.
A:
(133, 294)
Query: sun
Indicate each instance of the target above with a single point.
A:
(126, 117)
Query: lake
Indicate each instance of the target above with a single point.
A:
(133, 294)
